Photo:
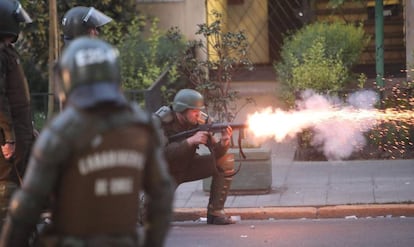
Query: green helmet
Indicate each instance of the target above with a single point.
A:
(88, 73)
(11, 14)
(78, 20)
(188, 99)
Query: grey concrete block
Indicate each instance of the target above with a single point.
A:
(255, 174)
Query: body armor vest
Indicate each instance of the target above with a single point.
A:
(104, 174)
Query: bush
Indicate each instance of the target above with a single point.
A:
(33, 46)
(391, 140)
(394, 138)
(319, 56)
(317, 71)
(145, 57)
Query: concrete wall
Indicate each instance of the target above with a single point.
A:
(184, 14)
(409, 36)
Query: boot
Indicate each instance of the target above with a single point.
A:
(219, 189)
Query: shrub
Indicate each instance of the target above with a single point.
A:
(317, 71)
(394, 138)
(145, 57)
(319, 56)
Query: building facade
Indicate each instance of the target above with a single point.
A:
(266, 22)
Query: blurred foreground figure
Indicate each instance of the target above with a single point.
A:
(92, 161)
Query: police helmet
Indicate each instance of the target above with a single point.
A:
(188, 99)
(88, 73)
(11, 14)
(78, 20)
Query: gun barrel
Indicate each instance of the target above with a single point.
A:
(239, 126)
(216, 127)
(232, 125)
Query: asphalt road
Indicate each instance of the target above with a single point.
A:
(355, 232)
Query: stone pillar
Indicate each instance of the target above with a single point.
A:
(409, 35)
(255, 174)
(221, 7)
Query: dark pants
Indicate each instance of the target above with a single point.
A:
(11, 173)
(199, 167)
(6, 191)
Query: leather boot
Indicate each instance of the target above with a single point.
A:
(219, 189)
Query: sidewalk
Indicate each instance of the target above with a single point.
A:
(365, 188)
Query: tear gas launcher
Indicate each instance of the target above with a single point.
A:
(213, 128)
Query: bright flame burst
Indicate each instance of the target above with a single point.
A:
(280, 124)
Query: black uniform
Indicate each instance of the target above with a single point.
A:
(15, 122)
(92, 164)
(186, 165)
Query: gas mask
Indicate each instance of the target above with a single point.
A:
(203, 118)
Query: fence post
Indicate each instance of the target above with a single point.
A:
(153, 96)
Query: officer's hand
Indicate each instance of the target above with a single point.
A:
(225, 136)
(201, 137)
(8, 150)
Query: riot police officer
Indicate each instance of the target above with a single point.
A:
(80, 21)
(93, 159)
(185, 164)
(16, 130)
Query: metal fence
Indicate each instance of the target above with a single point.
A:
(284, 17)
(151, 99)
(272, 19)
(268, 21)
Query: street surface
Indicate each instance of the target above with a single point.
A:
(350, 231)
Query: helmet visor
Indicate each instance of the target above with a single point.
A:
(95, 18)
(21, 15)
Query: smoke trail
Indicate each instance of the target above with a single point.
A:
(339, 138)
(338, 126)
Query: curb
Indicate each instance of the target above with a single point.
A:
(338, 211)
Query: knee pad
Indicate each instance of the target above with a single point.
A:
(226, 163)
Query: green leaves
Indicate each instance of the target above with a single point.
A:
(145, 57)
(227, 52)
(319, 56)
(319, 72)
(33, 44)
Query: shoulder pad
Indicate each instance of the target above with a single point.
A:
(165, 114)
(140, 115)
(67, 121)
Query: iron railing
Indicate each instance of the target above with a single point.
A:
(151, 99)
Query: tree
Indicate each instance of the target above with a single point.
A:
(34, 43)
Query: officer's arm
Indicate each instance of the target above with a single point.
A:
(222, 146)
(179, 151)
(39, 180)
(159, 188)
(176, 151)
